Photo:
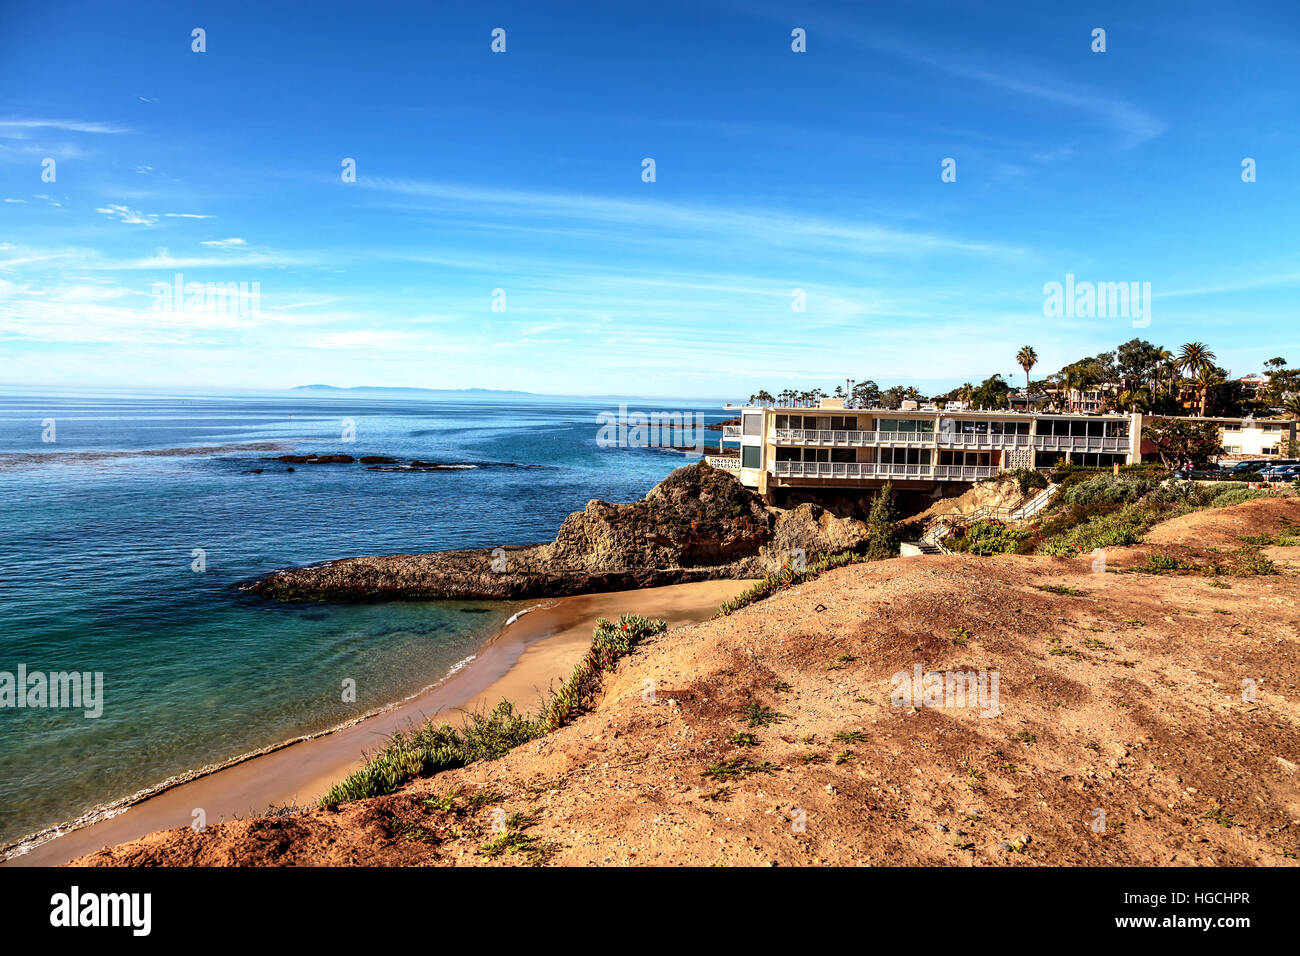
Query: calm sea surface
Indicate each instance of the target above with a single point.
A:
(99, 531)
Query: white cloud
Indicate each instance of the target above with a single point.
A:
(128, 215)
(223, 243)
(71, 126)
(184, 215)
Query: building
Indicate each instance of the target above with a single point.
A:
(1253, 383)
(1247, 438)
(834, 447)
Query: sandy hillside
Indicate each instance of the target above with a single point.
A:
(1126, 698)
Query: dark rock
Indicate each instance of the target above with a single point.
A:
(697, 524)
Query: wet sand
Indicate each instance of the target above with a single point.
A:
(537, 650)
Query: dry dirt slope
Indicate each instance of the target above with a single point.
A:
(1126, 698)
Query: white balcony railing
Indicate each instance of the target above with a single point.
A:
(1080, 443)
(963, 440)
(964, 472)
(869, 470)
(725, 462)
(815, 436)
(730, 431)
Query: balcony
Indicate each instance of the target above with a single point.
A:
(1080, 443)
(966, 472)
(964, 440)
(847, 439)
(730, 431)
(874, 470)
(725, 462)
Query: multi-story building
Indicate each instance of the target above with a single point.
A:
(836, 447)
(1247, 438)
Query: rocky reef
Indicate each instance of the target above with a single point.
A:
(699, 523)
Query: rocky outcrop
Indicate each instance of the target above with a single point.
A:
(699, 523)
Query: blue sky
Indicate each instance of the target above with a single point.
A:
(522, 171)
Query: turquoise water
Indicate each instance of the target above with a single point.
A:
(98, 531)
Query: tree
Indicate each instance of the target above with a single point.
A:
(1133, 400)
(1195, 358)
(866, 394)
(1026, 358)
(991, 393)
(882, 525)
(1178, 440)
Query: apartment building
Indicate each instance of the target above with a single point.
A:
(1254, 437)
(836, 447)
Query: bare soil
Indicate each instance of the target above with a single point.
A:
(1168, 702)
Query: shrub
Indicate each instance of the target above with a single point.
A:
(1227, 497)
(986, 537)
(1027, 479)
(1112, 529)
(882, 525)
(1105, 488)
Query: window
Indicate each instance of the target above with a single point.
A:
(905, 425)
(905, 456)
(788, 454)
(752, 424)
(783, 421)
(844, 454)
(749, 456)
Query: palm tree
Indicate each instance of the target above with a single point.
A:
(1292, 407)
(1027, 358)
(1195, 358)
(1133, 400)
(965, 391)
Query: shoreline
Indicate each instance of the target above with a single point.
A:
(537, 647)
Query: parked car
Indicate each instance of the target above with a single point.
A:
(1210, 473)
(1282, 473)
(1246, 467)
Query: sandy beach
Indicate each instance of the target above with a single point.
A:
(539, 648)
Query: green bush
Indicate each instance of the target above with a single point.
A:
(986, 537)
(1112, 529)
(1105, 488)
(882, 525)
(1239, 493)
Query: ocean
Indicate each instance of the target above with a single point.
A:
(123, 538)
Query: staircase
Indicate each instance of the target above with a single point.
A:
(931, 541)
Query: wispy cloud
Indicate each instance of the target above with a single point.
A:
(233, 243)
(68, 126)
(675, 220)
(127, 214)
